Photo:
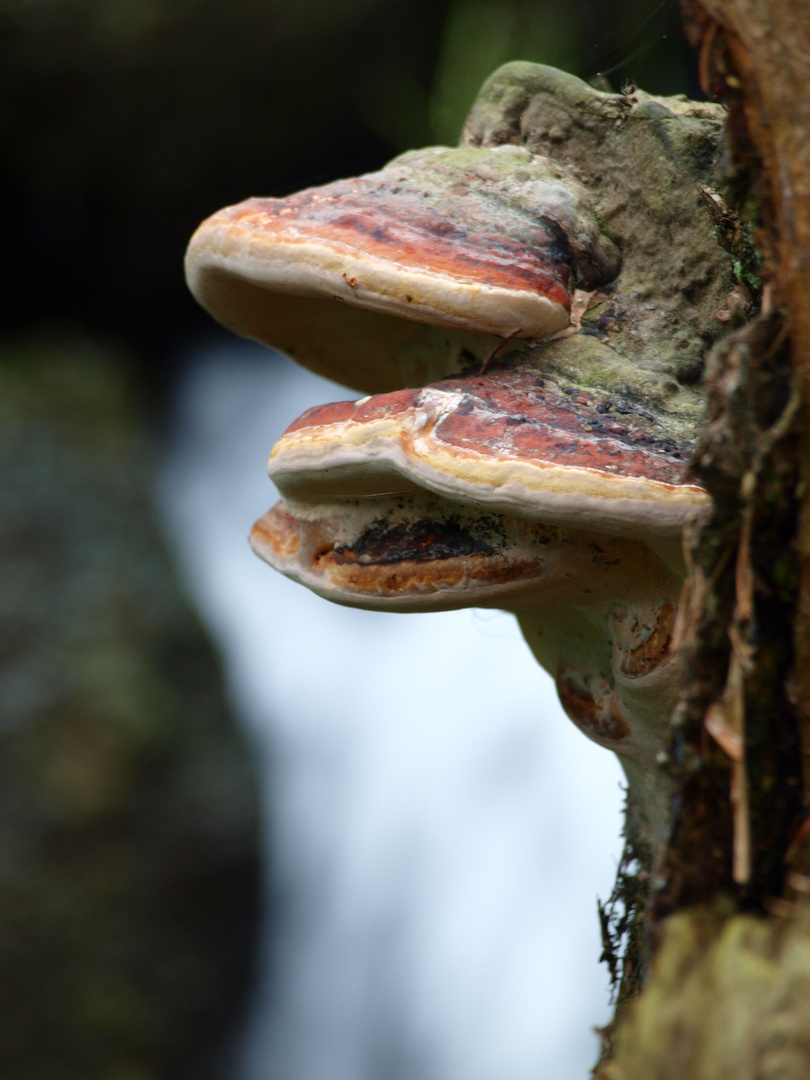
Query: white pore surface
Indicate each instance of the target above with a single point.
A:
(437, 830)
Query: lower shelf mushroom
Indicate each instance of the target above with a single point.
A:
(497, 492)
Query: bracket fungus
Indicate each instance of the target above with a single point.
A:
(400, 276)
(529, 312)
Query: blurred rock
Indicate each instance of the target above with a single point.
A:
(129, 865)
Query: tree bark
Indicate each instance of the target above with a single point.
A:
(728, 922)
(755, 54)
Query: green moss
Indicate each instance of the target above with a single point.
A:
(729, 999)
(644, 161)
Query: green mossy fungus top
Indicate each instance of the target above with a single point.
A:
(649, 165)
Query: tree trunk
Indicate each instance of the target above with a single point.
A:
(728, 921)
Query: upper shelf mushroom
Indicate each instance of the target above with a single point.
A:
(399, 277)
(528, 444)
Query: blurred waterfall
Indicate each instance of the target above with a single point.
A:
(437, 830)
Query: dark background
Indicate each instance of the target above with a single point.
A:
(125, 122)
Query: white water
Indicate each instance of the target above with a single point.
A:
(438, 831)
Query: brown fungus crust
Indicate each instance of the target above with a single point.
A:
(654, 648)
(599, 717)
(396, 577)
(410, 549)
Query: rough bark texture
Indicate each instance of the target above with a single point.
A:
(727, 996)
(756, 55)
(736, 817)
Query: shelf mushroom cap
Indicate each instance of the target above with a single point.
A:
(505, 490)
(384, 280)
(508, 447)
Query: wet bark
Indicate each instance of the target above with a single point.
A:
(726, 927)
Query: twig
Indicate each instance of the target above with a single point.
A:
(497, 349)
